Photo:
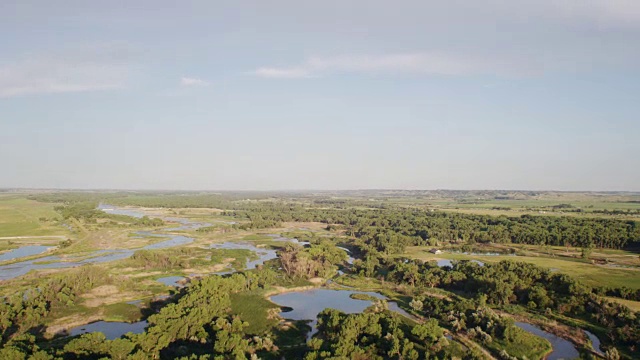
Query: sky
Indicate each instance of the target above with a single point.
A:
(284, 95)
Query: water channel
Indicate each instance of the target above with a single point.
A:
(24, 251)
(562, 349)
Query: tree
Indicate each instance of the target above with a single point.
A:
(416, 304)
(428, 332)
(612, 354)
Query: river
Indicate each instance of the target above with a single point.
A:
(562, 349)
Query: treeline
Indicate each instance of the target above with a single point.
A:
(88, 212)
(391, 230)
(163, 259)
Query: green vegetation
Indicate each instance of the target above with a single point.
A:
(591, 274)
(366, 297)
(577, 266)
(122, 312)
(22, 217)
(256, 308)
(314, 261)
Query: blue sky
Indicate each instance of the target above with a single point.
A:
(324, 95)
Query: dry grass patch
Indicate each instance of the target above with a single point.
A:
(107, 295)
(304, 225)
(65, 323)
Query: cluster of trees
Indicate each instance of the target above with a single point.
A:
(319, 259)
(198, 325)
(147, 221)
(510, 282)
(617, 212)
(88, 212)
(374, 335)
(82, 210)
(620, 292)
(162, 259)
(25, 311)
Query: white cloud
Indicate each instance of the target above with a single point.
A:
(187, 81)
(62, 73)
(433, 63)
(283, 73)
(604, 13)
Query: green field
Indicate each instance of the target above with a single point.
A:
(595, 275)
(23, 217)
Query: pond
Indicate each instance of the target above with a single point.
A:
(24, 251)
(449, 263)
(112, 330)
(308, 304)
(562, 349)
(277, 237)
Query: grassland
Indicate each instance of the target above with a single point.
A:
(256, 309)
(22, 217)
(592, 274)
(521, 203)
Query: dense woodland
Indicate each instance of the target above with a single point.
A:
(391, 230)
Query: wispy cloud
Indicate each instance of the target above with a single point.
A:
(401, 63)
(77, 71)
(283, 73)
(189, 81)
